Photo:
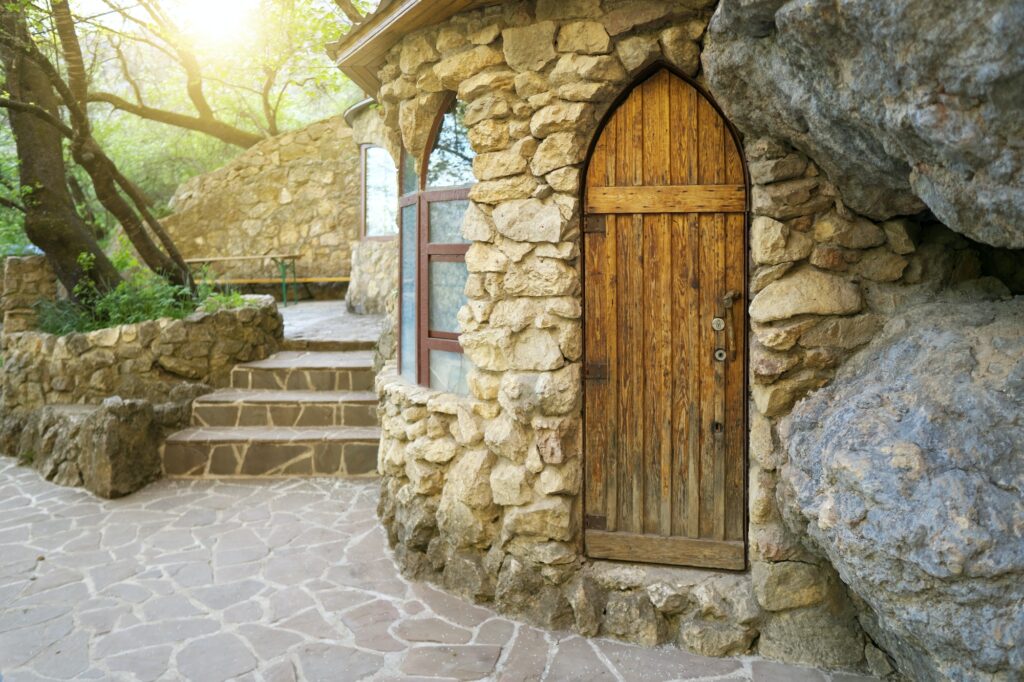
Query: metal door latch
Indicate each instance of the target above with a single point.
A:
(718, 324)
(720, 355)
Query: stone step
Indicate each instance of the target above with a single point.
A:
(307, 371)
(324, 345)
(243, 407)
(253, 452)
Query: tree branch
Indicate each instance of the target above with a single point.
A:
(350, 11)
(211, 127)
(40, 113)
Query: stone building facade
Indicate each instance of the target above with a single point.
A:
(482, 493)
(294, 193)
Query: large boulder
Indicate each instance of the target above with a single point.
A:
(903, 103)
(908, 473)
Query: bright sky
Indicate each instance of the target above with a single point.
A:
(211, 23)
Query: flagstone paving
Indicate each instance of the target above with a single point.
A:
(273, 580)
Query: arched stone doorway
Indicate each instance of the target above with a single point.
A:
(664, 245)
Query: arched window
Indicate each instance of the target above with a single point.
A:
(434, 198)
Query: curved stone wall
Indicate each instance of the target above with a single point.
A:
(482, 493)
(294, 193)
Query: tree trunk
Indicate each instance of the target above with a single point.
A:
(51, 221)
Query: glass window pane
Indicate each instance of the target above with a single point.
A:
(407, 345)
(451, 160)
(447, 294)
(449, 371)
(381, 200)
(446, 221)
(410, 176)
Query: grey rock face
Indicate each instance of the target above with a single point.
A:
(903, 103)
(908, 473)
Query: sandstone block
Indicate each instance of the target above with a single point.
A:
(788, 585)
(902, 235)
(584, 37)
(508, 483)
(505, 189)
(767, 171)
(529, 220)
(469, 478)
(806, 290)
(558, 150)
(567, 9)
(549, 517)
(452, 70)
(573, 67)
(681, 49)
(561, 116)
(486, 82)
(507, 438)
(777, 398)
(631, 616)
(772, 242)
(531, 47)
(881, 265)
(636, 52)
(856, 233)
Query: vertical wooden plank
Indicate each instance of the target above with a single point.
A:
(611, 454)
(595, 394)
(736, 333)
(711, 170)
(658, 481)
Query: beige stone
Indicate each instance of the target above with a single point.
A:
(761, 494)
(901, 235)
(772, 243)
(681, 49)
(586, 91)
(788, 585)
(436, 450)
(558, 150)
(486, 35)
(508, 484)
(505, 437)
(424, 478)
(636, 52)
(535, 350)
(561, 116)
(560, 392)
(529, 84)
(778, 398)
(468, 479)
(485, 82)
(766, 171)
(504, 189)
(541, 277)
(766, 275)
(634, 14)
(881, 265)
(549, 517)
(477, 226)
(584, 37)
(488, 349)
(528, 220)
(452, 70)
(573, 67)
(762, 443)
(561, 479)
(857, 233)
(806, 290)
(842, 332)
(485, 258)
(790, 199)
(415, 118)
(416, 51)
(530, 48)
(767, 365)
(450, 39)
(490, 106)
(567, 9)
(493, 165)
(489, 135)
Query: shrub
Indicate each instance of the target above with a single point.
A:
(143, 295)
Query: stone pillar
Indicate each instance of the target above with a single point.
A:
(26, 281)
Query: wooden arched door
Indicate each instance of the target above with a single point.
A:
(664, 244)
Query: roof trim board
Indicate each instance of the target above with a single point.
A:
(361, 53)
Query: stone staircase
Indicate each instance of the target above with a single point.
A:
(306, 411)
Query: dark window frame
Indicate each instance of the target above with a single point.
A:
(363, 148)
(426, 251)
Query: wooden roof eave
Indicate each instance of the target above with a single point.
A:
(362, 52)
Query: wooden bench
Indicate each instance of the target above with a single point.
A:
(285, 263)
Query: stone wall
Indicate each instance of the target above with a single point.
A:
(481, 493)
(26, 281)
(374, 261)
(142, 361)
(295, 193)
(374, 276)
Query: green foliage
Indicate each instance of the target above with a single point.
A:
(26, 458)
(142, 296)
(226, 301)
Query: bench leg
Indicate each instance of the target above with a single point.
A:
(282, 268)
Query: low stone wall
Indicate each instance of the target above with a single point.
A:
(297, 192)
(112, 449)
(374, 276)
(26, 281)
(144, 361)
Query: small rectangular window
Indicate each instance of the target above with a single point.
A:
(380, 193)
(447, 294)
(449, 371)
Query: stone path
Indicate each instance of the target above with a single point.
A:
(273, 580)
(327, 325)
